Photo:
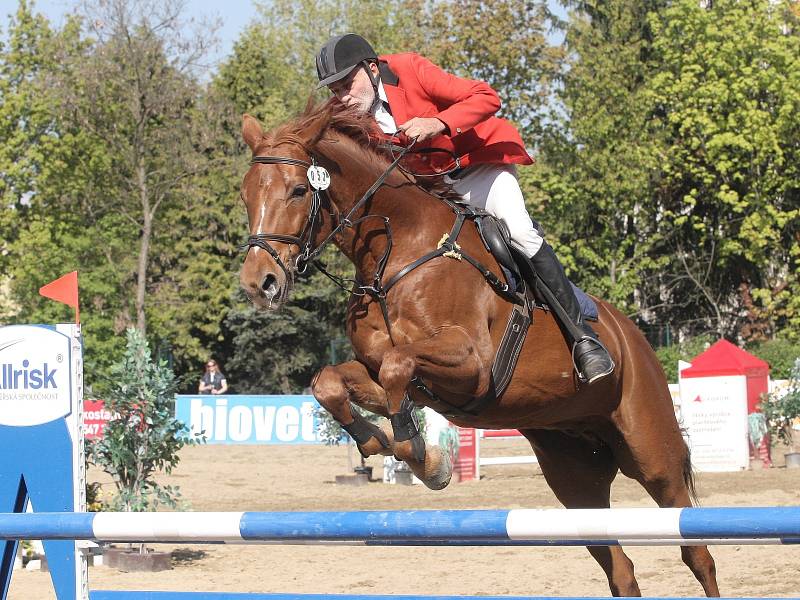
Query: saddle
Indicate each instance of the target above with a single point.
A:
(516, 266)
(517, 270)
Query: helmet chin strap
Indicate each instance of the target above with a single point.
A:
(377, 99)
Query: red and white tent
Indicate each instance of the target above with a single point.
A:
(723, 358)
(718, 391)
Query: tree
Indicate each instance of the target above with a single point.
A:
(503, 42)
(671, 179)
(47, 167)
(106, 108)
(595, 175)
(727, 95)
(143, 438)
(134, 91)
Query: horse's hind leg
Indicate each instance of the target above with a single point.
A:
(657, 457)
(335, 387)
(580, 471)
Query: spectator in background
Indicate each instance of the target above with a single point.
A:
(213, 380)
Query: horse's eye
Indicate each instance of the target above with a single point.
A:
(299, 190)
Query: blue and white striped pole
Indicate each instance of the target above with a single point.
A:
(651, 526)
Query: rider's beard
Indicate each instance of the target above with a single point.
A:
(363, 101)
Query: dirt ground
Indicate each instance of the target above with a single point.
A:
(264, 478)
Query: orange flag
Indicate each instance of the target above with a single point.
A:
(65, 290)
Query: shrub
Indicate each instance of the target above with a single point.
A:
(780, 354)
(143, 438)
(669, 356)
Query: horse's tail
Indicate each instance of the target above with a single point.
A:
(688, 473)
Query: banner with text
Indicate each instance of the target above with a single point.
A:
(714, 411)
(95, 417)
(233, 419)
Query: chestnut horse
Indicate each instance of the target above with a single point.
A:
(442, 323)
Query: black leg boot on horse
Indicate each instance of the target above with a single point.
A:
(589, 356)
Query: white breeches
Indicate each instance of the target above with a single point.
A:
(494, 188)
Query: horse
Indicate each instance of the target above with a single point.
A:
(324, 177)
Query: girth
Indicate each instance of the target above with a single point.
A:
(515, 332)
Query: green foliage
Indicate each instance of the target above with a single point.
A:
(76, 201)
(483, 40)
(279, 352)
(781, 354)
(593, 183)
(285, 349)
(47, 168)
(726, 95)
(669, 356)
(671, 176)
(782, 410)
(143, 438)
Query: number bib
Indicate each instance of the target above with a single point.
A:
(318, 177)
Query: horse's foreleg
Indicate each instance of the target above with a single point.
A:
(336, 387)
(448, 355)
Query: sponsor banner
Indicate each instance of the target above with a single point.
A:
(714, 411)
(35, 375)
(499, 433)
(467, 463)
(95, 417)
(233, 419)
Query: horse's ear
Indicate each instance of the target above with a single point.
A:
(252, 132)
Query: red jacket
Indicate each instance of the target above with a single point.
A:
(415, 87)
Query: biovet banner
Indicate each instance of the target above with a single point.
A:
(35, 375)
(233, 419)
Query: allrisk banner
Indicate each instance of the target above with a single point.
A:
(41, 386)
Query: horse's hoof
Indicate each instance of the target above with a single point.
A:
(438, 468)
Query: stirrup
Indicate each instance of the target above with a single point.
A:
(581, 376)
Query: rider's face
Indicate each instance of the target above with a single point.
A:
(356, 89)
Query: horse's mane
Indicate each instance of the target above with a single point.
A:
(331, 119)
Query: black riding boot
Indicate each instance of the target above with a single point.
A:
(590, 358)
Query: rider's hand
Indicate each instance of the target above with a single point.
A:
(423, 128)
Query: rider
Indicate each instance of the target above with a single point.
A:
(408, 93)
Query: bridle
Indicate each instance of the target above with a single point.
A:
(305, 241)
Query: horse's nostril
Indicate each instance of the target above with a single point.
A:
(270, 285)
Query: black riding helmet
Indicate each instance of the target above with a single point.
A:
(341, 55)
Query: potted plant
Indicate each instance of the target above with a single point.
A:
(142, 439)
(782, 411)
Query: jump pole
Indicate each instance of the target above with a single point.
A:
(553, 527)
(501, 434)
